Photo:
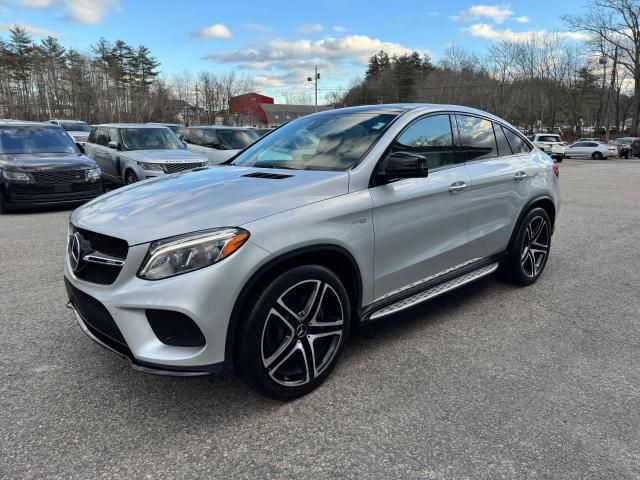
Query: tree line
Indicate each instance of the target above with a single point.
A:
(537, 82)
(113, 82)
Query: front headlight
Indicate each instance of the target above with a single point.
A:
(16, 176)
(151, 166)
(93, 175)
(186, 253)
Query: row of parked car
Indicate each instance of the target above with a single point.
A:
(39, 163)
(558, 149)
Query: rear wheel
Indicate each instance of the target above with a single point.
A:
(597, 156)
(293, 336)
(529, 249)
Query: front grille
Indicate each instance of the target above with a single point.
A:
(99, 273)
(53, 192)
(175, 328)
(94, 313)
(180, 167)
(64, 176)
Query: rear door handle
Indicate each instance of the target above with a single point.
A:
(457, 187)
(520, 176)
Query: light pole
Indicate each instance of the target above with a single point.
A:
(315, 79)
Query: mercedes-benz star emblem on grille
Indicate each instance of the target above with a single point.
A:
(75, 252)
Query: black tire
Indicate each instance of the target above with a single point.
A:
(596, 156)
(130, 177)
(274, 343)
(524, 264)
(559, 159)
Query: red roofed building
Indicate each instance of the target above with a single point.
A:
(249, 104)
(255, 109)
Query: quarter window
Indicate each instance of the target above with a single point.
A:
(518, 145)
(477, 139)
(431, 137)
(501, 139)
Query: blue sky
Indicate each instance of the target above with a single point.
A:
(278, 42)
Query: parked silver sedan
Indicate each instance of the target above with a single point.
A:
(594, 150)
(128, 153)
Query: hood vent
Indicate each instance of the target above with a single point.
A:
(270, 176)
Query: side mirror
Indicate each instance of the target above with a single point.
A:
(403, 165)
(113, 145)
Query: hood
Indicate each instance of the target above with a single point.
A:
(46, 161)
(204, 198)
(164, 156)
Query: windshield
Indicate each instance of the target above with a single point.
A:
(326, 142)
(35, 140)
(75, 126)
(150, 139)
(177, 129)
(237, 139)
(624, 141)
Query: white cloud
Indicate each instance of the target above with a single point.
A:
(353, 48)
(36, 3)
(31, 30)
(522, 19)
(310, 28)
(483, 30)
(339, 28)
(218, 30)
(90, 12)
(497, 13)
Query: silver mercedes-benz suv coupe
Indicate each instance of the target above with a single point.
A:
(343, 216)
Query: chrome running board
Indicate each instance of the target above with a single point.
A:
(434, 291)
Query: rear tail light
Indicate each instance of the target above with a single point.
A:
(613, 149)
(556, 170)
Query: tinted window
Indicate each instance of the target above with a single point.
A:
(549, 138)
(194, 135)
(23, 139)
(331, 141)
(74, 126)
(430, 137)
(591, 144)
(150, 139)
(103, 136)
(501, 139)
(476, 137)
(237, 139)
(210, 139)
(92, 135)
(518, 145)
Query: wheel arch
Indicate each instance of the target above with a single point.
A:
(543, 201)
(334, 257)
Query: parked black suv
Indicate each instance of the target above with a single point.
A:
(625, 146)
(41, 165)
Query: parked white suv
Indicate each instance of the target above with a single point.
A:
(127, 153)
(550, 144)
(340, 217)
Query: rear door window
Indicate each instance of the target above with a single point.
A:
(103, 136)
(477, 139)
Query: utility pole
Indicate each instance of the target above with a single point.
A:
(315, 79)
(197, 107)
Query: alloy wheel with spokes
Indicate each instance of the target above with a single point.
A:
(294, 335)
(529, 249)
(130, 177)
(535, 246)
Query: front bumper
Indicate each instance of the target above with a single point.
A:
(206, 296)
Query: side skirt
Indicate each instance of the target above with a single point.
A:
(439, 286)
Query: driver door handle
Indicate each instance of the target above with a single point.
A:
(520, 176)
(457, 187)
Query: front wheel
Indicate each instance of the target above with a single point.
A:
(529, 249)
(130, 177)
(292, 337)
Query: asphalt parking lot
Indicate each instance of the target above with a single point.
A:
(491, 381)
